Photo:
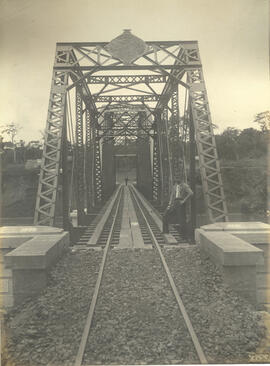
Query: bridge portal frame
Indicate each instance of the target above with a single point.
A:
(172, 63)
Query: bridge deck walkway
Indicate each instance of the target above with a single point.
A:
(130, 234)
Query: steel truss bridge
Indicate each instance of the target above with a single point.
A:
(105, 94)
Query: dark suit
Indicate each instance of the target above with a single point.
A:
(177, 206)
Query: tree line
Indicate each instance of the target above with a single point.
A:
(242, 154)
(14, 151)
(244, 165)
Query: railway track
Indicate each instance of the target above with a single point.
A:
(88, 232)
(175, 229)
(108, 238)
(83, 241)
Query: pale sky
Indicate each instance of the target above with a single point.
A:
(233, 38)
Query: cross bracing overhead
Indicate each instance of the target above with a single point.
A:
(107, 93)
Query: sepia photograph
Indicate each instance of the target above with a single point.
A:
(134, 182)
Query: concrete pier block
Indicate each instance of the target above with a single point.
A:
(40, 252)
(228, 250)
(26, 255)
(27, 283)
(242, 279)
(236, 226)
(29, 230)
(237, 259)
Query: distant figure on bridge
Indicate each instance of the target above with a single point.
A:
(177, 205)
(126, 180)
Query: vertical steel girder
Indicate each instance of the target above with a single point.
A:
(79, 159)
(156, 185)
(175, 141)
(88, 168)
(108, 164)
(144, 176)
(108, 125)
(165, 164)
(50, 163)
(206, 147)
(192, 176)
(97, 167)
(65, 178)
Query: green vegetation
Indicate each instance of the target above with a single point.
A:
(242, 154)
(243, 158)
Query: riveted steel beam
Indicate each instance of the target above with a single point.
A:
(156, 183)
(97, 169)
(175, 140)
(89, 152)
(79, 160)
(125, 79)
(108, 163)
(132, 67)
(164, 158)
(50, 163)
(102, 44)
(125, 98)
(206, 147)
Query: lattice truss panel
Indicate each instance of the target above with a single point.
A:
(89, 161)
(127, 123)
(175, 139)
(156, 186)
(49, 173)
(79, 157)
(164, 156)
(128, 77)
(206, 146)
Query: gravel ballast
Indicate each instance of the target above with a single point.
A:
(229, 328)
(137, 320)
(48, 329)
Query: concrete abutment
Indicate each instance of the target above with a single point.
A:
(27, 255)
(241, 251)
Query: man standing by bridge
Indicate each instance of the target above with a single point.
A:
(177, 205)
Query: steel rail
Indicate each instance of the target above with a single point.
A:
(180, 303)
(88, 323)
